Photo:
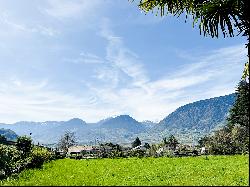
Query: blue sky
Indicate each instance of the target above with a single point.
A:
(61, 59)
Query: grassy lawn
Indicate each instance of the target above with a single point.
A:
(216, 170)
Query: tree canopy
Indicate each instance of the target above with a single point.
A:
(212, 15)
(66, 141)
(3, 139)
(234, 137)
(24, 144)
(136, 143)
(172, 142)
(229, 17)
(239, 113)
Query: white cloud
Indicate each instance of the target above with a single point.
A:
(85, 58)
(22, 100)
(62, 9)
(209, 75)
(121, 57)
(107, 75)
(13, 26)
(213, 74)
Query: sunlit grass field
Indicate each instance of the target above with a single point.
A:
(215, 170)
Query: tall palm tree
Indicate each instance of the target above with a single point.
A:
(228, 16)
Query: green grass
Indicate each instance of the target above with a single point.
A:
(216, 170)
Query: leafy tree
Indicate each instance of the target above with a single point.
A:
(24, 144)
(152, 150)
(238, 119)
(172, 142)
(222, 142)
(164, 140)
(39, 155)
(239, 113)
(240, 138)
(105, 152)
(66, 141)
(202, 142)
(113, 146)
(234, 137)
(228, 141)
(212, 16)
(3, 139)
(10, 160)
(136, 143)
(146, 145)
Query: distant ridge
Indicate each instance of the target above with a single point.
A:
(187, 122)
(123, 122)
(9, 134)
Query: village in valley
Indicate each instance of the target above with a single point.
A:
(168, 147)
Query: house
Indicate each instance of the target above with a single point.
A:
(166, 148)
(83, 151)
(203, 150)
(140, 147)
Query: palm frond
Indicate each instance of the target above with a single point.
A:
(213, 16)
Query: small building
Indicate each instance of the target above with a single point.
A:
(83, 151)
(140, 147)
(75, 155)
(203, 150)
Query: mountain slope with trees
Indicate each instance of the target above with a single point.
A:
(123, 122)
(202, 115)
(8, 134)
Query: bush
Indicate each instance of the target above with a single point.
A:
(137, 153)
(24, 144)
(226, 141)
(167, 153)
(115, 154)
(10, 160)
(39, 155)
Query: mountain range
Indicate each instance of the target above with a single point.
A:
(188, 123)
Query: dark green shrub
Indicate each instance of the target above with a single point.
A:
(12, 160)
(24, 145)
(136, 143)
(137, 153)
(3, 139)
(115, 154)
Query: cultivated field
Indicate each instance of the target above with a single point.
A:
(216, 170)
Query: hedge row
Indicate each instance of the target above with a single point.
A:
(12, 160)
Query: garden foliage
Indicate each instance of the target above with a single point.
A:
(23, 155)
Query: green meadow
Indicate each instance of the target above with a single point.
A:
(213, 170)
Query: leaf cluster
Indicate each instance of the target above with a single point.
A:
(212, 16)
